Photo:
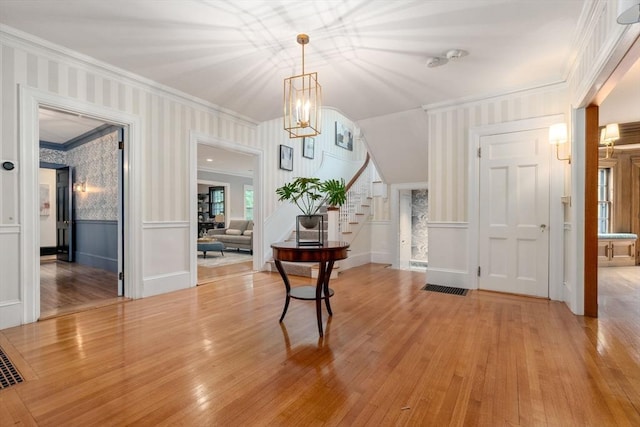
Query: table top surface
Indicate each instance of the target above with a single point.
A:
(329, 251)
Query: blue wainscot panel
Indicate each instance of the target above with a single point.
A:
(97, 244)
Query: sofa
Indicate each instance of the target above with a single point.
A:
(238, 235)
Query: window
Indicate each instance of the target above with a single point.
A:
(216, 201)
(248, 202)
(604, 200)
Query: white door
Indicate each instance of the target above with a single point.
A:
(514, 213)
(405, 229)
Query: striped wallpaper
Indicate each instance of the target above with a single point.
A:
(272, 135)
(167, 118)
(449, 142)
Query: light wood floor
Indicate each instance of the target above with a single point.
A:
(67, 287)
(211, 274)
(392, 355)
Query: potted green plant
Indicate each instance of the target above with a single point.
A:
(309, 194)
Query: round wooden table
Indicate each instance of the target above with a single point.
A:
(325, 255)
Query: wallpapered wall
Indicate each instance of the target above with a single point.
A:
(419, 220)
(95, 162)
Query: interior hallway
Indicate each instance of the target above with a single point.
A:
(392, 355)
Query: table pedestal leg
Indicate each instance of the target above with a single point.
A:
(285, 279)
(323, 285)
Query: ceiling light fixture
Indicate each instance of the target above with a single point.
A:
(436, 61)
(450, 55)
(628, 12)
(609, 134)
(456, 54)
(302, 101)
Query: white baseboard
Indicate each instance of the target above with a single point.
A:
(381, 258)
(10, 314)
(166, 283)
(444, 277)
(355, 260)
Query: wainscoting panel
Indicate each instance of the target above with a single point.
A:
(448, 255)
(10, 298)
(166, 257)
(97, 244)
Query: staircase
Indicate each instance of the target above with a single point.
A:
(343, 226)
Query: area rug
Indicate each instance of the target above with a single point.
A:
(215, 259)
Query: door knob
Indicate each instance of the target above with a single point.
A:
(543, 227)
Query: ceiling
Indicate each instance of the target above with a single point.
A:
(58, 127)
(370, 55)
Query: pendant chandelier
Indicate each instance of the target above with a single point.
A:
(302, 101)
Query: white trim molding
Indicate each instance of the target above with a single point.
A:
(556, 188)
(30, 101)
(196, 138)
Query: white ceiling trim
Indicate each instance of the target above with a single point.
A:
(30, 43)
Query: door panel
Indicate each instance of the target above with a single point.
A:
(514, 213)
(64, 214)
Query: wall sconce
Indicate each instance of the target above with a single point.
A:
(80, 186)
(557, 136)
(608, 136)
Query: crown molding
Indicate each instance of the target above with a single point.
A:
(470, 101)
(36, 45)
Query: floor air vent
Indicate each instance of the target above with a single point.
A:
(445, 289)
(9, 375)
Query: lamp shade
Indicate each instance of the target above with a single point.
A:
(558, 133)
(628, 12)
(612, 132)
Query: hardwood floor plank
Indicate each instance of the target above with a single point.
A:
(392, 354)
(68, 287)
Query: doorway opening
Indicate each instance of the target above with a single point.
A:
(413, 228)
(225, 202)
(618, 201)
(81, 212)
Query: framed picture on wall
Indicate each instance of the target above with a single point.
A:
(286, 157)
(344, 137)
(45, 202)
(308, 147)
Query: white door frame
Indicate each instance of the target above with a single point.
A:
(196, 138)
(31, 99)
(394, 202)
(556, 190)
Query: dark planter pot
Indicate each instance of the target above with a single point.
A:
(309, 221)
(312, 231)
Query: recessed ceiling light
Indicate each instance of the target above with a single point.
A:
(209, 160)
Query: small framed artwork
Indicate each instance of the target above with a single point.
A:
(45, 203)
(308, 147)
(286, 157)
(344, 137)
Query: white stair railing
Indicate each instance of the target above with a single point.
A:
(358, 200)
